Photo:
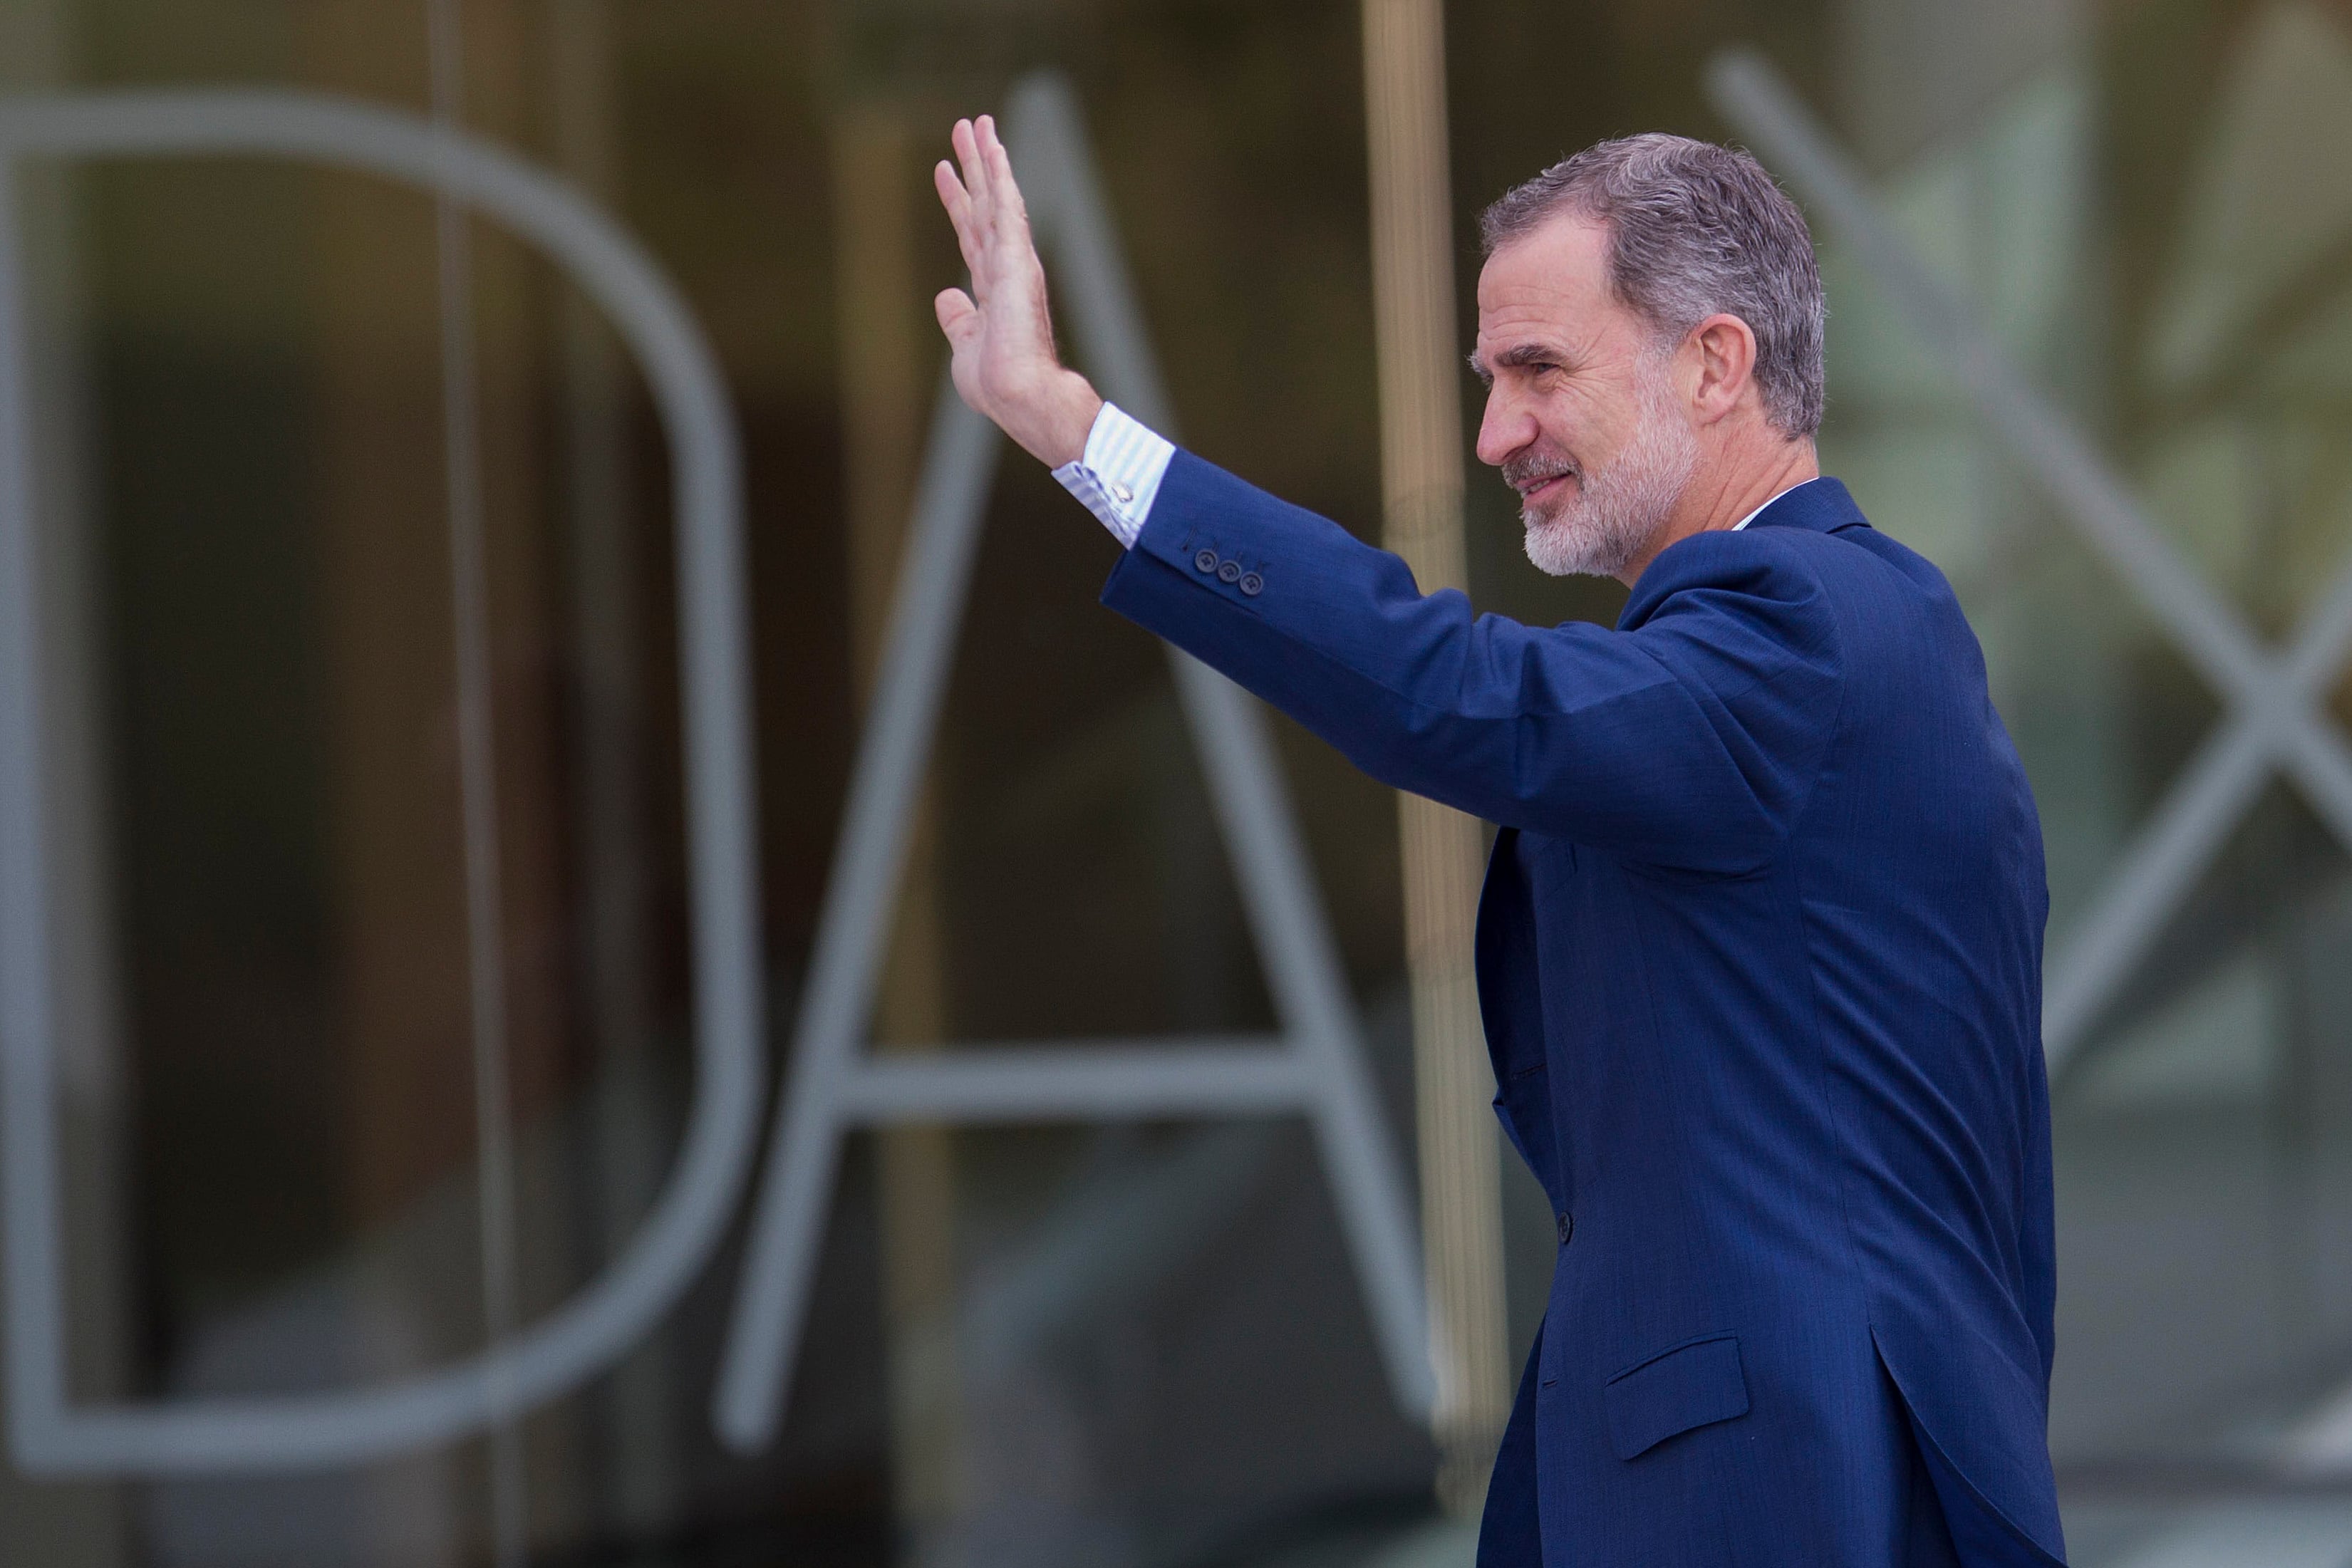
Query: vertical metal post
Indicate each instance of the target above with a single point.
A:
(1420, 481)
(638, 1478)
(884, 395)
(477, 777)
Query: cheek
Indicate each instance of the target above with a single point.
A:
(1570, 424)
(1590, 423)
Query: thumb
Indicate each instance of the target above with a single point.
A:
(959, 316)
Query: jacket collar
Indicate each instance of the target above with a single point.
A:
(1822, 505)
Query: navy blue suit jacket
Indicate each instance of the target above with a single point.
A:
(1759, 958)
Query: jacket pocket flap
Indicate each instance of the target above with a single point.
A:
(1689, 1385)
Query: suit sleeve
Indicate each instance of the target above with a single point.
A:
(1690, 742)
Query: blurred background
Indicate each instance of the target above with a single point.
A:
(1115, 1343)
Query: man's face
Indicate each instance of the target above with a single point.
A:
(1583, 416)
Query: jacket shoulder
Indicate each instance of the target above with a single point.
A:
(1842, 574)
(1752, 575)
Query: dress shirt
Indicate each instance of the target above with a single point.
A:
(1759, 511)
(1118, 473)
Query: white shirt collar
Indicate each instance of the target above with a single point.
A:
(1759, 511)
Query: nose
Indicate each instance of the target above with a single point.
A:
(1506, 427)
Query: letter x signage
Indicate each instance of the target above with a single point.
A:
(2274, 719)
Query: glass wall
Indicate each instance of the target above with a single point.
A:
(374, 927)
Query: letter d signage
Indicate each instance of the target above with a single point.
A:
(48, 1434)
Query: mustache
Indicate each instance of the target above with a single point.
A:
(1530, 469)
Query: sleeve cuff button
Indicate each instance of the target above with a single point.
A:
(1252, 584)
(1206, 560)
(1229, 571)
(1123, 493)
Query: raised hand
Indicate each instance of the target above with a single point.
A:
(1001, 334)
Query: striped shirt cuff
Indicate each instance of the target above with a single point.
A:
(1119, 472)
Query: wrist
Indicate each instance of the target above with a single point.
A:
(1060, 421)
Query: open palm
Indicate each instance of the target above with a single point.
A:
(1001, 334)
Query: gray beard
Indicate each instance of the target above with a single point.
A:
(1619, 510)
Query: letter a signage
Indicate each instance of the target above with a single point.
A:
(1314, 1067)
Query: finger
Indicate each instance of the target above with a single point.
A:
(997, 161)
(980, 214)
(953, 194)
(1012, 212)
(957, 202)
(975, 176)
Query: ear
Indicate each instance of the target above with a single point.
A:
(1726, 363)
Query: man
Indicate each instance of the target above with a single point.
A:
(1759, 947)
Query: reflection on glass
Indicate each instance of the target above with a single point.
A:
(1106, 1345)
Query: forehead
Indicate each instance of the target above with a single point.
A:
(1550, 283)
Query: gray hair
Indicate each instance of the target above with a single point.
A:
(1694, 229)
